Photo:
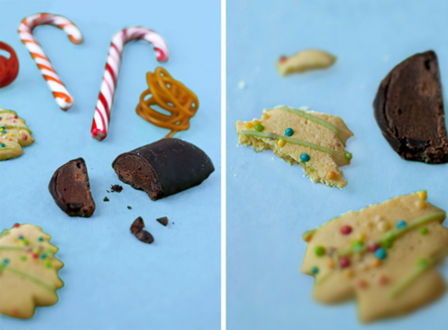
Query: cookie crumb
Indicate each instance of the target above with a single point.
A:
(129, 207)
(142, 235)
(163, 221)
(105, 199)
(116, 188)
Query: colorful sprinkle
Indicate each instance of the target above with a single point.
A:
(20, 237)
(363, 284)
(2, 145)
(40, 239)
(422, 263)
(48, 264)
(376, 262)
(23, 258)
(314, 270)
(26, 242)
(282, 59)
(43, 256)
(259, 128)
(16, 225)
(422, 194)
(25, 137)
(331, 263)
(319, 251)
(289, 131)
(358, 245)
(249, 125)
(401, 224)
(35, 255)
(381, 253)
(383, 280)
(281, 143)
(304, 157)
(424, 231)
(331, 175)
(348, 155)
(344, 262)
(345, 230)
(6, 261)
(373, 247)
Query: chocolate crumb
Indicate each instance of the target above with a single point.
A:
(116, 188)
(106, 199)
(129, 207)
(139, 233)
(163, 221)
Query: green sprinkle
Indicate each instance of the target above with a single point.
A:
(48, 264)
(314, 270)
(422, 263)
(23, 258)
(319, 251)
(348, 155)
(358, 245)
(259, 128)
(26, 242)
(424, 231)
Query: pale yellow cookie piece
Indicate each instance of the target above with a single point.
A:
(383, 255)
(14, 134)
(314, 140)
(310, 59)
(28, 271)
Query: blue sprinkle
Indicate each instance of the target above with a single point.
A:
(6, 261)
(43, 256)
(401, 224)
(20, 237)
(304, 157)
(381, 253)
(40, 239)
(4, 131)
(2, 145)
(314, 270)
(289, 131)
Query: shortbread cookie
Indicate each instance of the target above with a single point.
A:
(310, 59)
(314, 140)
(409, 110)
(28, 271)
(14, 134)
(70, 189)
(383, 255)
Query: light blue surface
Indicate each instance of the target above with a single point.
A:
(112, 280)
(270, 204)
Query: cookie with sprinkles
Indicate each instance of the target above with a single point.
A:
(28, 271)
(14, 134)
(314, 140)
(384, 256)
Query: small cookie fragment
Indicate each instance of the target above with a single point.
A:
(163, 168)
(382, 257)
(28, 271)
(310, 59)
(163, 221)
(409, 110)
(116, 188)
(138, 231)
(70, 189)
(314, 140)
(14, 134)
(106, 199)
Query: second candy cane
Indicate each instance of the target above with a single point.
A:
(102, 111)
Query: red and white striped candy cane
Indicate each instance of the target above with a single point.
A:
(60, 93)
(102, 112)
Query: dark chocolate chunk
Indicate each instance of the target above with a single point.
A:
(164, 167)
(70, 189)
(162, 221)
(409, 110)
(129, 207)
(106, 199)
(116, 188)
(140, 233)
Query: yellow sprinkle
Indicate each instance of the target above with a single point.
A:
(422, 194)
(376, 262)
(331, 263)
(331, 175)
(265, 116)
(10, 134)
(281, 143)
(249, 125)
(421, 204)
(362, 236)
(349, 273)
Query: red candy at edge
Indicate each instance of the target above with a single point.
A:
(9, 68)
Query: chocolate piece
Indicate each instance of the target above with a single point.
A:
(409, 110)
(106, 199)
(116, 188)
(129, 207)
(164, 167)
(162, 221)
(142, 235)
(70, 189)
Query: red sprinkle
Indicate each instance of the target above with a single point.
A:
(282, 59)
(16, 225)
(344, 262)
(383, 280)
(362, 284)
(25, 137)
(345, 230)
(35, 255)
(373, 247)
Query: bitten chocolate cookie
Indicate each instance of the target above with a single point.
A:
(14, 134)
(409, 110)
(28, 271)
(384, 256)
(164, 167)
(70, 189)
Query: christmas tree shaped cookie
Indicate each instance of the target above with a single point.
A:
(28, 271)
(14, 134)
(383, 255)
(314, 140)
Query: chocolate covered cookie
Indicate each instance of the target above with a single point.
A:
(70, 189)
(164, 167)
(409, 110)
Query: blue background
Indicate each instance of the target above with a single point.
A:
(269, 203)
(112, 280)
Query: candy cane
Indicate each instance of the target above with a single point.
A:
(102, 112)
(60, 93)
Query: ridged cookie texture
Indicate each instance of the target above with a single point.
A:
(383, 255)
(28, 270)
(314, 140)
(14, 134)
